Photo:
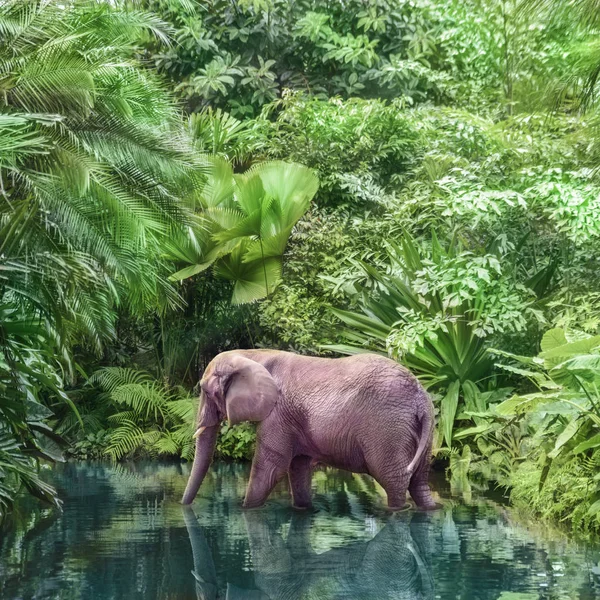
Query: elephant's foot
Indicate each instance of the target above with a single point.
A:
(430, 504)
(405, 506)
(249, 504)
(302, 505)
(423, 498)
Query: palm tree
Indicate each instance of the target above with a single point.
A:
(93, 163)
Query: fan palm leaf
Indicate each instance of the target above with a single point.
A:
(250, 218)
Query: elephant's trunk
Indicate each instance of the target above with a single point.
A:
(205, 446)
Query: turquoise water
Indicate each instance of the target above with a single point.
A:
(123, 534)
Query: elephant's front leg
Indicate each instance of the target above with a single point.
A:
(300, 479)
(269, 465)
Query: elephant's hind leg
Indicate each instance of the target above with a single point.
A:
(419, 487)
(395, 485)
(386, 462)
(396, 495)
(300, 479)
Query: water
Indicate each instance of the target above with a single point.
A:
(124, 535)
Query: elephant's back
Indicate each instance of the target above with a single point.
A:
(364, 373)
(335, 385)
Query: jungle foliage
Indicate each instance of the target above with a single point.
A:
(416, 178)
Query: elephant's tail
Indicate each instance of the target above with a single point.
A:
(424, 442)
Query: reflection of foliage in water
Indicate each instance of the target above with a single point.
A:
(122, 535)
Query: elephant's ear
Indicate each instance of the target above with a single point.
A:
(251, 392)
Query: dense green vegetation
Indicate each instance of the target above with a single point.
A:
(414, 178)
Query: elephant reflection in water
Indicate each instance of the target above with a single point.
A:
(391, 565)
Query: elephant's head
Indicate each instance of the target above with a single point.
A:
(234, 387)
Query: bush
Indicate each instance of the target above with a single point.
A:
(93, 446)
(567, 495)
(342, 139)
(236, 442)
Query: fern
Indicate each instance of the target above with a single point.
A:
(111, 378)
(125, 440)
(151, 418)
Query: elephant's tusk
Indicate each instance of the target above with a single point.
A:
(198, 432)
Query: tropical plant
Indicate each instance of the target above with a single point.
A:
(92, 159)
(433, 309)
(29, 374)
(150, 418)
(355, 137)
(93, 446)
(218, 133)
(244, 225)
(566, 375)
(76, 214)
(213, 79)
(242, 57)
(545, 444)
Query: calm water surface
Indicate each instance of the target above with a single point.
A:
(124, 535)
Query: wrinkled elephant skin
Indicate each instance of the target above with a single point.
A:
(363, 413)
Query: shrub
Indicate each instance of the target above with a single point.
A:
(342, 138)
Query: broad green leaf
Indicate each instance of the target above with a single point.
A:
(573, 348)
(526, 360)
(268, 247)
(553, 338)
(223, 218)
(565, 435)
(472, 431)
(293, 185)
(584, 362)
(573, 372)
(249, 192)
(519, 404)
(593, 442)
(37, 411)
(253, 280)
(247, 227)
(258, 282)
(218, 189)
(449, 405)
(472, 396)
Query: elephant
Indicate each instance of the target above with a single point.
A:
(364, 413)
(393, 564)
